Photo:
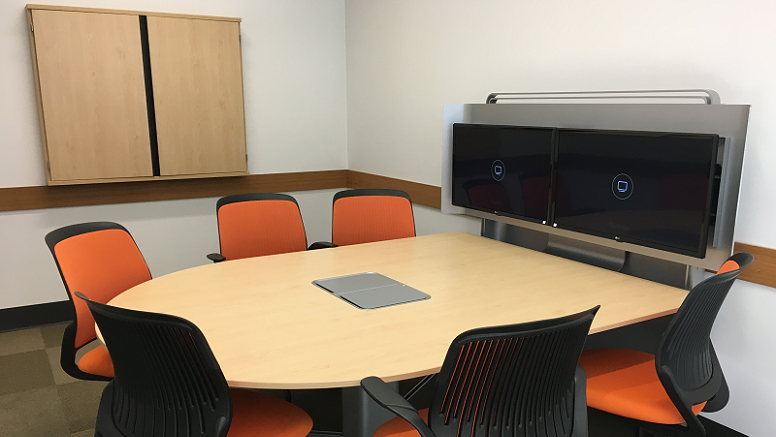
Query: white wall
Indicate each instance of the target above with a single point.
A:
(293, 72)
(172, 235)
(383, 114)
(430, 221)
(407, 58)
(295, 108)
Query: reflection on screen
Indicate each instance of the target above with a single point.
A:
(502, 169)
(646, 188)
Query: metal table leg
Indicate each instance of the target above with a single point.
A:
(360, 414)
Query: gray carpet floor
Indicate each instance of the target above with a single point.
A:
(37, 398)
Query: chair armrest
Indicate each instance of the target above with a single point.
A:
(321, 245)
(67, 358)
(216, 257)
(387, 398)
(721, 398)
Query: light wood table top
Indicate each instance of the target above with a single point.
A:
(269, 327)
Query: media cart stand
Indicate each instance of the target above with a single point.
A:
(681, 111)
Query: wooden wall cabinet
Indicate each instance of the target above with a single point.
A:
(127, 96)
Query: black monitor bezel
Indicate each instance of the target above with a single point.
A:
(553, 147)
(704, 237)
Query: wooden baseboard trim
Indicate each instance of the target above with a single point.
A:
(41, 197)
(763, 271)
(421, 194)
(28, 316)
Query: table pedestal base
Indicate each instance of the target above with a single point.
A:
(360, 414)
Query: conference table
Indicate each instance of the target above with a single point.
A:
(271, 328)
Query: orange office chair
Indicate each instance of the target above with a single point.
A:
(168, 383)
(666, 391)
(100, 260)
(366, 215)
(518, 380)
(258, 224)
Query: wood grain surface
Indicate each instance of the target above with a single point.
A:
(125, 12)
(90, 71)
(422, 194)
(40, 197)
(763, 269)
(269, 327)
(196, 67)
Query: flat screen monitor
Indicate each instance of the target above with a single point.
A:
(505, 170)
(646, 188)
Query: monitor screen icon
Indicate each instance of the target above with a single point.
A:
(498, 170)
(622, 186)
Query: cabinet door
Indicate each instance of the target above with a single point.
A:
(196, 67)
(92, 95)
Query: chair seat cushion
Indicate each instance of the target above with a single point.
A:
(399, 427)
(256, 414)
(625, 382)
(97, 362)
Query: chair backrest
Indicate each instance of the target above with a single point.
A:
(366, 215)
(259, 224)
(515, 380)
(167, 382)
(685, 349)
(100, 260)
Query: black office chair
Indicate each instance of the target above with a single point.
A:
(515, 380)
(666, 391)
(168, 384)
